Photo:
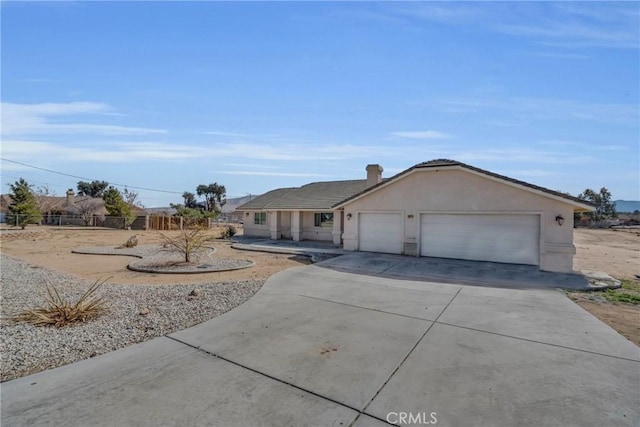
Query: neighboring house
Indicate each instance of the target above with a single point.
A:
(629, 219)
(440, 208)
(70, 209)
(5, 201)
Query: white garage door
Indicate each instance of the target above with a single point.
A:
(380, 232)
(499, 238)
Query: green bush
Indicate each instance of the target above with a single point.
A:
(228, 232)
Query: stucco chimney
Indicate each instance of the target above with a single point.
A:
(70, 198)
(374, 175)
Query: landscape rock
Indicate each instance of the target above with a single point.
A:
(131, 242)
(26, 349)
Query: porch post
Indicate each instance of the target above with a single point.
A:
(274, 225)
(296, 226)
(337, 227)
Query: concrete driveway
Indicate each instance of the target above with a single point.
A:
(318, 346)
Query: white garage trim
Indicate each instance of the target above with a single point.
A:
(381, 232)
(498, 237)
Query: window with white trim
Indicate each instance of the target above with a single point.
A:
(260, 218)
(323, 219)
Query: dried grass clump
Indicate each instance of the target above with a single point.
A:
(59, 312)
(131, 242)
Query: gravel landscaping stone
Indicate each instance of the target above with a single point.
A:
(26, 349)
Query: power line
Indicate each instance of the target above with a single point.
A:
(89, 179)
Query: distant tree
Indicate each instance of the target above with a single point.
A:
(116, 206)
(187, 212)
(45, 199)
(23, 209)
(92, 189)
(131, 197)
(189, 200)
(215, 196)
(605, 208)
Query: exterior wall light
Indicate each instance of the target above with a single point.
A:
(560, 220)
(349, 217)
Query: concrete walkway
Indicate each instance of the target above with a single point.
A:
(322, 347)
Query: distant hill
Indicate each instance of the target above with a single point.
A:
(627, 205)
(232, 204)
(228, 207)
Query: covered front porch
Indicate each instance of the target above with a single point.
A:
(300, 225)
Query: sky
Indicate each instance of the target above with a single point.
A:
(164, 96)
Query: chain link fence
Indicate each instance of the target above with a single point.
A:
(140, 222)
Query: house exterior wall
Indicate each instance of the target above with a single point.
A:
(458, 191)
(285, 227)
(311, 232)
(255, 230)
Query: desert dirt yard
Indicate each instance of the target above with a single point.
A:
(616, 252)
(51, 247)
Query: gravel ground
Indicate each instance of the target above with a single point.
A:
(26, 349)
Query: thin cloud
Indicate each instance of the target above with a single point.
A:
(36, 80)
(120, 152)
(559, 55)
(30, 119)
(561, 24)
(263, 173)
(526, 110)
(422, 134)
(124, 152)
(524, 155)
(234, 134)
(251, 165)
(574, 35)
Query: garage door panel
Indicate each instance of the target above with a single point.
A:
(498, 238)
(380, 232)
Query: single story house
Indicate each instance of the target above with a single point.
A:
(69, 209)
(439, 208)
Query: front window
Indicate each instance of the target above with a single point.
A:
(260, 218)
(323, 219)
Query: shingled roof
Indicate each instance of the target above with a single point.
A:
(453, 163)
(317, 196)
(260, 202)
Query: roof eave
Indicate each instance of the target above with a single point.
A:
(578, 206)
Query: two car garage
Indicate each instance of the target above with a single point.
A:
(448, 209)
(507, 238)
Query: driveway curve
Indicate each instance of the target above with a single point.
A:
(322, 347)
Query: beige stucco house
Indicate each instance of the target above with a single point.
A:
(440, 208)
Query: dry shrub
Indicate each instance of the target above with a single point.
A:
(60, 312)
(228, 232)
(192, 239)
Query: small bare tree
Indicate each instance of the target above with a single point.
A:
(131, 197)
(87, 208)
(193, 238)
(45, 200)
